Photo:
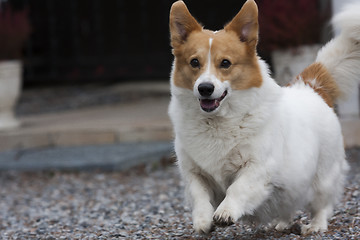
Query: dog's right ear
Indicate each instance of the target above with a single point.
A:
(182, 23)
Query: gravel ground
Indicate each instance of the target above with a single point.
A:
(145, 203)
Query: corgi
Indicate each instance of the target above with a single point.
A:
(247, 148)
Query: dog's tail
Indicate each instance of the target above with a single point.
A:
(336, 71)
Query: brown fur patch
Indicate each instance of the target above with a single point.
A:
(244, 72)
(318, 77)
(197, 46)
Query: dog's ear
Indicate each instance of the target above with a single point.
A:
(245, 24)
(182, 23)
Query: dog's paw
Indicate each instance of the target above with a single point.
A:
(202, 220)
(278, 225)
(281, 226)
(312, 228)
(203, 225)
(223, 216)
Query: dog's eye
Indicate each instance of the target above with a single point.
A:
(225, 63)
(195, 63)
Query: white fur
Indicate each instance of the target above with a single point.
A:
(341, 55)
(267, 151)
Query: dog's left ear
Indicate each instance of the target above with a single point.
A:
(245, 24)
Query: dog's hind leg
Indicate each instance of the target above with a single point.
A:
(327, 190)
(319, 221)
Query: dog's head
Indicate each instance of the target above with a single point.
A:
(214, 64)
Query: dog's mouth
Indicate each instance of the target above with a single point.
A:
(209, 105)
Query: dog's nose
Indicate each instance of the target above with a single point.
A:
(206, 89)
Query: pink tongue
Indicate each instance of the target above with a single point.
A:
(208, 104)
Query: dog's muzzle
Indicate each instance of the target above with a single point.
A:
(207, 103)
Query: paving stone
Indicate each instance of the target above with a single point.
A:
(110, 157)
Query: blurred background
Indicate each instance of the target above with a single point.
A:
(91, 72)
(81, 41)
(78, 41)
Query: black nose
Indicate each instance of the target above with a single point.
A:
(206, 89)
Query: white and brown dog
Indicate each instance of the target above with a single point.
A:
(246, 147)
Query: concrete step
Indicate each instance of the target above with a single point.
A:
(136, 121)
(104, 157)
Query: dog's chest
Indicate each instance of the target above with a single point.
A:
(226, 169)
(217, 148)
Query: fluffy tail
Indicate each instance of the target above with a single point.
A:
(336, 71)
(341, 56)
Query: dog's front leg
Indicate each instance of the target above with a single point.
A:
(202, 209)
(243, 196)
(199, 193)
